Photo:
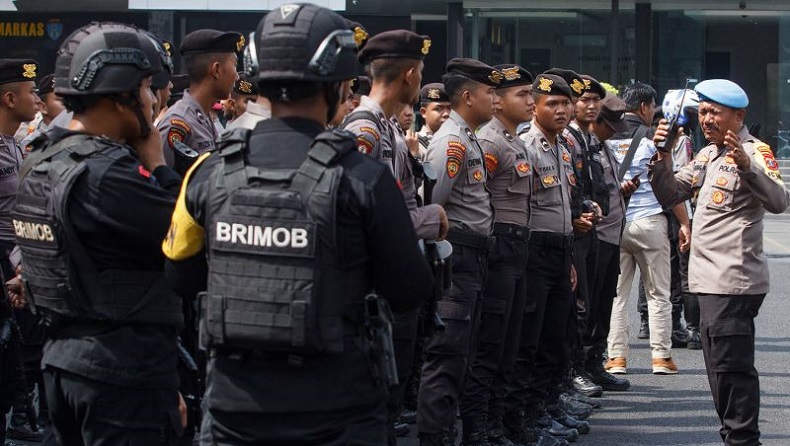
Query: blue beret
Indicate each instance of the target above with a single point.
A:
(723, 92)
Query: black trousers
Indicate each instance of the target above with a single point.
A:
(604, 290)
(502, 310)
(542, 351)
(447, 354)
(361, 426)
(727, 329)
(585, 260)
(404, 337)
(92, 413)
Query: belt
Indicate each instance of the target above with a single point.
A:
(551, 239)
(511, 230)
(470, 239)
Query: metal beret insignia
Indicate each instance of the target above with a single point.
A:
(545, 84)
(426, 46)
(511, 74)
(360, 35)
(433, 93)
(496, 77)
(245, 87)
(577, 86)
(29, 70)
(240, 44)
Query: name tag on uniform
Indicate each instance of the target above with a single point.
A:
(35, 232)
(290, 238)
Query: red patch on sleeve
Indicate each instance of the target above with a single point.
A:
(142, 171)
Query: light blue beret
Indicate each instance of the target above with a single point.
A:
(722, 91)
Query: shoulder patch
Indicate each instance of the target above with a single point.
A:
(178, 132)
(364, 146)
(492, 162)
(764, 158)
(371, 131)
(456, 153)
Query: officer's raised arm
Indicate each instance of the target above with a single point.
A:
(765, 181)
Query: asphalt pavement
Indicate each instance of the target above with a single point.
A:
(678, 410)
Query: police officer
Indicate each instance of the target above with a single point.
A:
(504, 294)
(734, 181)
(52, 110)
(360, 86)
(17, 104)
(589, 205)
(610, 120)
(458, 160)
(542, 351)
(434, 110)
(244, 91)
(210, 58)
(394, 60)
(93, 268)
(319, 376)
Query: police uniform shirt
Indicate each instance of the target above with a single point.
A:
(374, 138)
(610, 227)
(121, 219)
(727, 231)
(425, 135)
(425, 219)
(10, 160)
(509, 173)
(458, 160)
(185, 122)
(551, 191)
(374, 232)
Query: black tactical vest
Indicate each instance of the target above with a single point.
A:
(592, 184)
(271, 285)
(61, 280)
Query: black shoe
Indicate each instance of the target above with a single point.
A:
(576, 396)
(401, 429)
(496, 433)
(644, 329)
(607, 381)
(569, 421)
(584, 385)
(474, 432)
(577, 410)
(24, 433)
(408, 416)
(695, 341)
(680, 338)
(557, 429)
(544, 438)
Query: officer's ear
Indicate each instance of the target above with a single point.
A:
(423, 111)
(7, 97)
(740, 115)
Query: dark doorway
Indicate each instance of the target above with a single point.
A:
(535, 60)
(717, 65)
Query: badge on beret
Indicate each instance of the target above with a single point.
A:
(721, 181)
(718, 197)
(492, 162)
(496, 77)
(245, 87)
(240, 44)
(360, 35)
(29, 70)
(587, 84)
(426, 46)
(511, 74)
(433, 93)
(545, 84)
(577, 86)
(168, 48)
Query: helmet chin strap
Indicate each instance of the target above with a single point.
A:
(332, 95)
(136, 104)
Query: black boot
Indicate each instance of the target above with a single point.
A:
(558, 414)
(679, 333)
(691, 313)
(496, 433)
(474, 432)
(555, 428)
(605, 379)
(584, 385)
(644, 327)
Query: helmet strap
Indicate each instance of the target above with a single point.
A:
(332, 95)
(136, 104)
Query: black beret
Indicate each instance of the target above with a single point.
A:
(475, 70)
(395, 44)
(433, 93)
(360, 33)
(514, 76)
(211, 41)
(574, 81)
(17, 70)
(46, 84)
(245, 86)
(551, 84)
(593, 86)
(360, 85)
